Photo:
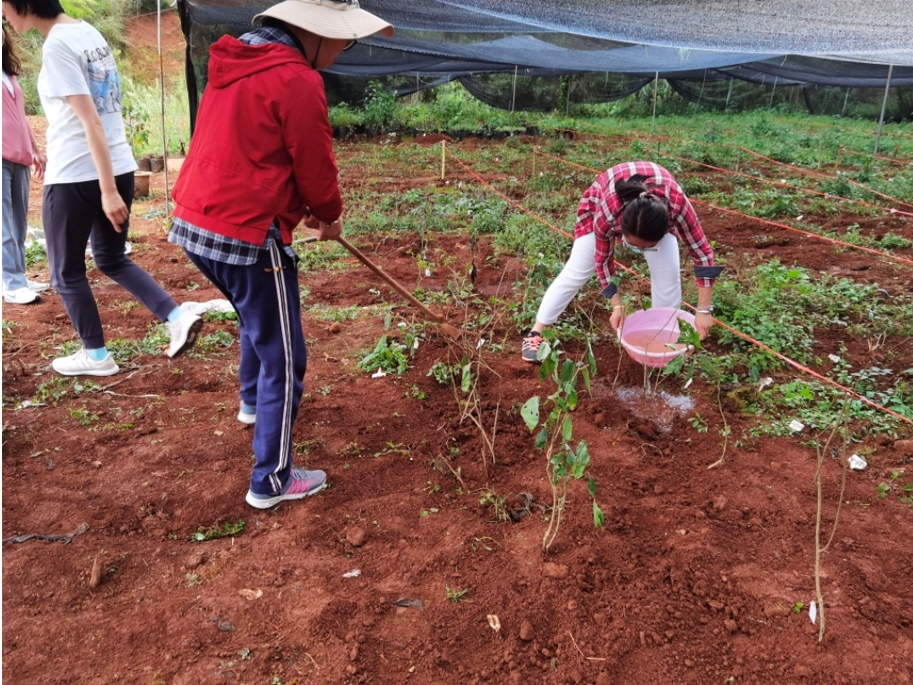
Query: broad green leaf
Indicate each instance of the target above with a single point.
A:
(542, 439)
(572, 399)
(590, 359)
(467, 377)
(544, 351)
(598, 517)
(567, 371)
(567, 428)
(586, 381)
(591, 486)
(530, 412)
(583, 456)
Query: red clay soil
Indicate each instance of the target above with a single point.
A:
(696, 576)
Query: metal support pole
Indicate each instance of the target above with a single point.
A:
(728, 95)
(443, 157)
(846, 99)
(774, 90)
(162, 93)
(513, 97)
(655, 93)
(884, 106)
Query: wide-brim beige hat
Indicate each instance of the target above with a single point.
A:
(343, 20)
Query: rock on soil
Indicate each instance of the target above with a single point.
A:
(355, 537)
(526, 631)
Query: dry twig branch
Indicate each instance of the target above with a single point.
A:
(819, 550)
(66, 537)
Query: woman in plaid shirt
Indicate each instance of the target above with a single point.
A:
(640, 204)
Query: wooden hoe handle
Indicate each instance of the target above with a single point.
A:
(396, 286)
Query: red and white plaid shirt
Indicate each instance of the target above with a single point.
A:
(601, 209)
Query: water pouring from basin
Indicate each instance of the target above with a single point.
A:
(650, 336)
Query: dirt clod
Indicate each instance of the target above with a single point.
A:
(526, 631)
(556, 571)
(904, 446)
(356, 536)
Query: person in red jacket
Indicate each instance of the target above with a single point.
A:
(261, 161)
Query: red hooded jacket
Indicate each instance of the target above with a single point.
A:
(262, 148)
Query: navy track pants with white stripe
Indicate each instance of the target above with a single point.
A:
(274, 354)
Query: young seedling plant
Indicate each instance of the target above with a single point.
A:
(564, 460)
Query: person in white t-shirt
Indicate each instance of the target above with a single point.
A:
(89, 183)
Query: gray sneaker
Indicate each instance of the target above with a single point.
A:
(530, 349)
(301, 484)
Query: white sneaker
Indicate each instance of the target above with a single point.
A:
(248, 419)
(21, 296)
(37, 286)
(183, 333)
(81, 364)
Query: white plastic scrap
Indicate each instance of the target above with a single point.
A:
(834, 358)
(812, 612)
(857, 463)
(352, 574)
(796, 426)
(764, 383)
(380, 373)
(28, 404)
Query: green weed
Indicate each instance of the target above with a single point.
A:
(215, 532)
(388, 356)
(35, 253)
(456, 594)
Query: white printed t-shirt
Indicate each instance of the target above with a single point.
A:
(76, 60)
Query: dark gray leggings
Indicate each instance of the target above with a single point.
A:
(72, 215)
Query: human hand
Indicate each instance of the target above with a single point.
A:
(311, 221)
(703, 323)
(39, 162)
(329, 231)
(617, 319)
(115, 209)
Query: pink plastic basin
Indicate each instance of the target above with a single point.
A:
(650, 336)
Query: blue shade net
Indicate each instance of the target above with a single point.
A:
(723, 54)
